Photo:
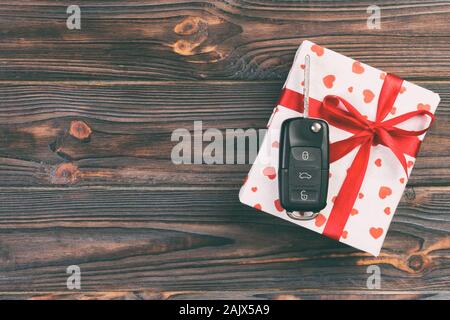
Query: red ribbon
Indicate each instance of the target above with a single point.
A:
(366, 133)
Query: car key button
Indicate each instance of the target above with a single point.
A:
(300, 195)
(307, 155)
(305, 176)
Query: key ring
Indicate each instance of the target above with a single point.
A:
(297, 215)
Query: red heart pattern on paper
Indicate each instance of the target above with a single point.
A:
(357, 67)
(361, 195)
(318, 50)
(320, 220)
(387, 210)
(270, 173)
(384, 192)
(350, 89)
(302, 66)
(275, 144)
(402, 180)
(254, 189)
(257, 206)
(393, 110)
(329, 80)
(378, 162)
(410, 163)
(368, 96)
(344, 234)
(383, 75)
(354, 212)
(278, 206)
(423, 106)
(376, 232)
(402, 89)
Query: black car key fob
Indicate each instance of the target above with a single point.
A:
(304, 166)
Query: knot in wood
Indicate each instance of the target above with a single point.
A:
(410, 194)
(417, 262)
(195, 32)
(189, 26)
(80, 130)
(66, 173)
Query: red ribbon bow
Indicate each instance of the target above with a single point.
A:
(366, 133)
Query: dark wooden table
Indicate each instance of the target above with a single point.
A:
(85, 172)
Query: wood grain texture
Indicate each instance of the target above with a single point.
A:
(230, 295)
(120, 134)
(172, 40)
(85, 173)
(162, 241)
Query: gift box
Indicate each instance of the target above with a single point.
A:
(377, 122)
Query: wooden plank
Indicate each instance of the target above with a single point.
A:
(175, 39)
(124, 137)
(195, 241)
(230, 295)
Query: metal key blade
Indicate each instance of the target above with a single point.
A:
(306, 89)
